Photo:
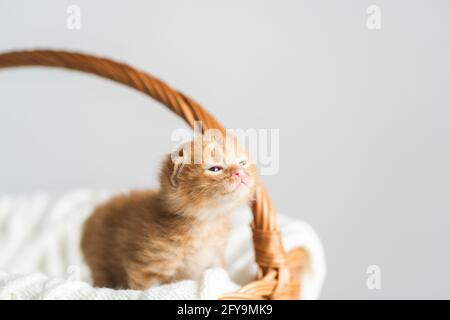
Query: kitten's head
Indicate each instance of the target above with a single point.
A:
(208, 173)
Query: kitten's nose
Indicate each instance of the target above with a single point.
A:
(237, 174)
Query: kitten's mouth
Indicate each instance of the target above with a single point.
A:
(238, 184)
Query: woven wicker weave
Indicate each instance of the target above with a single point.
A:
(279, 272)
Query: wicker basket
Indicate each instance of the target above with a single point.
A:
(279, 272)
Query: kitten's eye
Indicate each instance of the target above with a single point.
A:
(242, 163)
(215, 169)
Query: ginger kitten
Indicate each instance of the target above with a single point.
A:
(146, 238)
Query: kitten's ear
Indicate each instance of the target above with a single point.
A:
(178, 163)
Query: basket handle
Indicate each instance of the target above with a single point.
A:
(269, 251)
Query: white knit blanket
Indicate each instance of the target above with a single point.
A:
(40, 255)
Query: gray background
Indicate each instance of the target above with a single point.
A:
(363, 116)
